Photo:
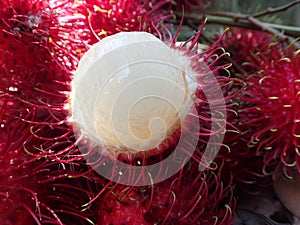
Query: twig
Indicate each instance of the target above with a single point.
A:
(276, 10)
(271, 30)
(263, 26)
(260, 25)
(247, 21)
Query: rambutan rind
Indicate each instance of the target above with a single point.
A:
(268, 106)
(189, 197)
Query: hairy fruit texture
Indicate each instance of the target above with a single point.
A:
(273, 104)
(37, 148)
(243, 45)
(34, 189)
(189, 197)
(268, 106)
(110, 17)
(241, 163)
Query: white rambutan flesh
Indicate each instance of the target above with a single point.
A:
(131, 92)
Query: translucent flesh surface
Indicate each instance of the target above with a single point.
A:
(130, 91)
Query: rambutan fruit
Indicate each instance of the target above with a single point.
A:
(33, 188)
(122, 83)
(102, 98)
(37, 146)
(268, 106)
(241, 163)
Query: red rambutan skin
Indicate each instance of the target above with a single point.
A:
(43, 178)
(110, 17)
(36, 153)
(268, 106)
(272, 107)
(189, 197)
(242, 45)
(241, 163)
(33, 189)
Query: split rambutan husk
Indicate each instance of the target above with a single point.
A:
(268, 106)
(189, 197)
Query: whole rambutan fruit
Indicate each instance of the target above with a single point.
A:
(241, 163)
(59, 26)
(33, 188)
(269, 106)
(257, 56)
(41, 166)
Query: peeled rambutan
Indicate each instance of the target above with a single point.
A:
(192, 88)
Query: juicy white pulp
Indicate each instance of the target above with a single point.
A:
(131, 92)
